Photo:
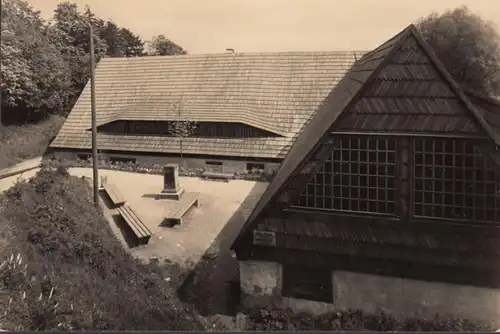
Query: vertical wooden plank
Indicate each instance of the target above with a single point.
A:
(411, 179)
(402, 175)
(349, 201)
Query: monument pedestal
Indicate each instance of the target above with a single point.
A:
(171, 195)
(171, 187)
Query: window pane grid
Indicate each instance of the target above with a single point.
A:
(359, 176)
(454, 181)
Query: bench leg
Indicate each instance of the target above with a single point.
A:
(197, 203)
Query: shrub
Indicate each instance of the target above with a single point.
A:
(270, 319)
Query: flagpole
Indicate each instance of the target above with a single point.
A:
(94, 121)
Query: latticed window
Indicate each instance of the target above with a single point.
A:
(359, 176)
(453, 180)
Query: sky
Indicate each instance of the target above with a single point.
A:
(211, 26)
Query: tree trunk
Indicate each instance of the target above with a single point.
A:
(182, 159)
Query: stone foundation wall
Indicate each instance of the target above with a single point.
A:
(261, 284)
(189, 163)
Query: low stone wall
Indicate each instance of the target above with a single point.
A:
(150, 165)
(261, 284)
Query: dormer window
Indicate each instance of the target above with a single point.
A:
(201, 129)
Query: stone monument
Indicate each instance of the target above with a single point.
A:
(171, 187)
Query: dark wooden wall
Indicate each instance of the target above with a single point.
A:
(202, 129)
(466, 244)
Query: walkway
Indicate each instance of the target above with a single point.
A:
(21, 167)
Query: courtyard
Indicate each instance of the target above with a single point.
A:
(220, 203)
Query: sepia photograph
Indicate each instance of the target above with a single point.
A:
(250, 165)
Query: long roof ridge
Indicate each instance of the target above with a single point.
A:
(244, 53)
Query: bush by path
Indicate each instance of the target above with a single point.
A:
(267, 319)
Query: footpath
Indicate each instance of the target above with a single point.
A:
(22, 167)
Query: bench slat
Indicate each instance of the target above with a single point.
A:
(133, 220)
(217, 176)
(187, 201)
(130, 221)
(138, 222)
(114, 194)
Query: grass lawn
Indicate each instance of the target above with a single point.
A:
(18, 143)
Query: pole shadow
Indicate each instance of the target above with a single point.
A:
(125, 230)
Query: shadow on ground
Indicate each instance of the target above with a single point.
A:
(213, 285)
(152, 196)
(128, 235)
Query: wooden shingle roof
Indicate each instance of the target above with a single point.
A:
(358, 81)
(276, 92)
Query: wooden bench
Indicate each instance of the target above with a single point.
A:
(140, 230)
(114, 194)
(225, 177)
(182, 206)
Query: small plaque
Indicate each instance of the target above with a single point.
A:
(284, 198)
(264, 238)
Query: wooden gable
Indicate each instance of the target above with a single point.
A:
(404, 89)
(409, 94)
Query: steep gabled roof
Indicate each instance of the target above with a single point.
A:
(488, 106)
(350, 88)
(276, 92)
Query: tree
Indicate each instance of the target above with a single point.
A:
(45, 65)
(114, 41)
(34, 76)
(121, 42)
(468, 46)
(133, 46)
(70, 30)
(162, 46)
(181, 128)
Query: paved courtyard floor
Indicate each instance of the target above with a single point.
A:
(219, 203)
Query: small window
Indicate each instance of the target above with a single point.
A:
(255, 168)
(214, 166)
(122, 160)
(308, 283)
(83, 156)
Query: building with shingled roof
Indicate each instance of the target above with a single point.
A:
(388, 199)
(248, 108)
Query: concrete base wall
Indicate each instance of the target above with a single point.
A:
(228, 165)
(403, 298)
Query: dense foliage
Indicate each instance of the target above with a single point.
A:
(162, 46)
(65, 269)
(264, 319)
(468, 46)
(45, 65)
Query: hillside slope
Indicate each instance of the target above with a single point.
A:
(65, 269)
